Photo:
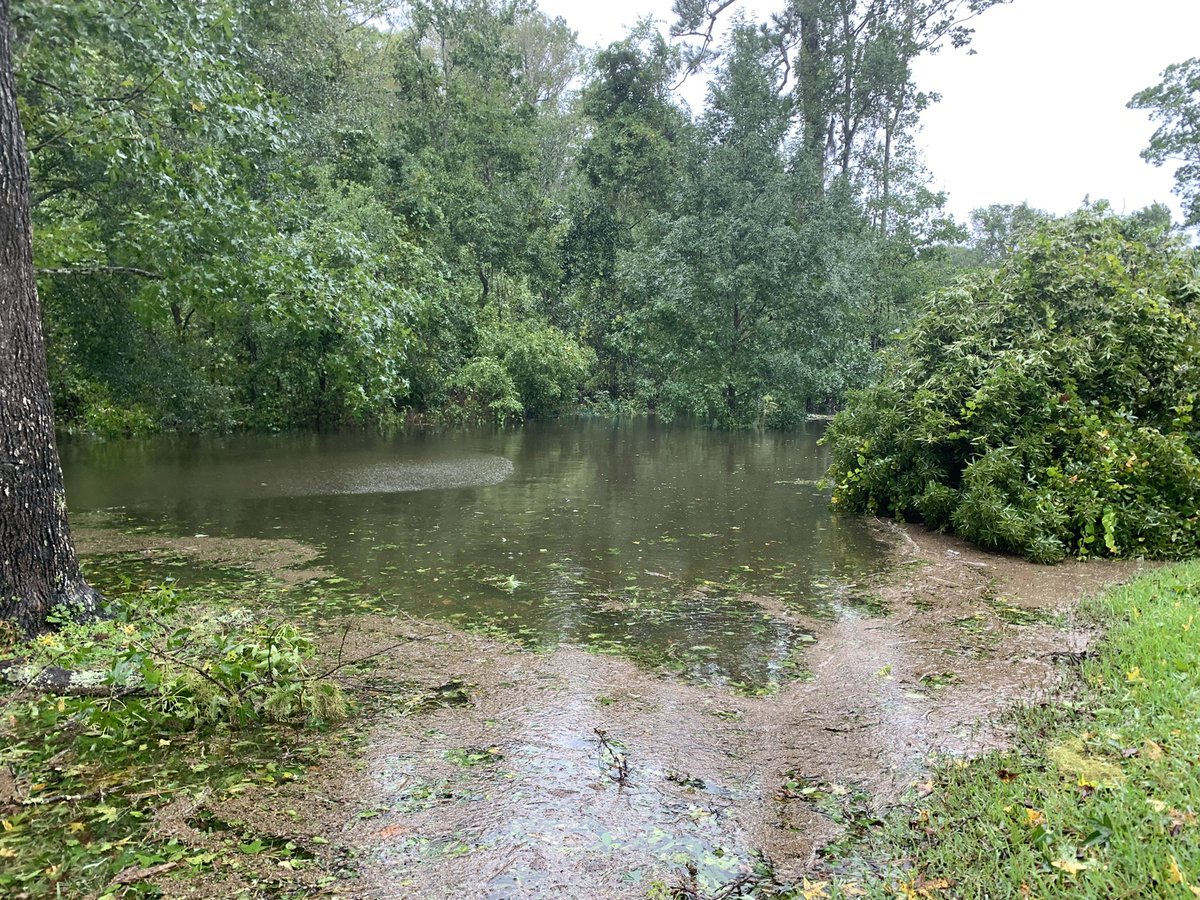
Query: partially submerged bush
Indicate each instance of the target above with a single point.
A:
(1045, 408)
(547, 366)
(482, 390)
(523, 370)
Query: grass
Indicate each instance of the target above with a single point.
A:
(1099, 794)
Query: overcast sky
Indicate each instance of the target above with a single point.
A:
(1037, 113)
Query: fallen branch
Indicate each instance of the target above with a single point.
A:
(66, 682)
(53, 679)
(134, 874)
(618, 765)
(687, 887)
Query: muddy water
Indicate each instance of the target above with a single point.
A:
(634, 539)
(512, 794)
(577, 773)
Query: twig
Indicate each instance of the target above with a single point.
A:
(835, 730)
(135, 874)
(619, 765)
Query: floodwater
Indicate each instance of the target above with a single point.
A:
(632, 538)
(502, 773)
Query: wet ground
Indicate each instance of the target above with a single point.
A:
(494, 771)
(593, 655)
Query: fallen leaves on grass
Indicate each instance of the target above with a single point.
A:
(1071, 866)
(922, 888)
(1174, 873)
(1092, 771)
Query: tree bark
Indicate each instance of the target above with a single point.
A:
(814, 118)
(39, 570)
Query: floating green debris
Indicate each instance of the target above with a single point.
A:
(1018, 615)
(468, 756)
(938, 680)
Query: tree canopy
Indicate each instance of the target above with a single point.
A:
(313, 213)
(1175, 104)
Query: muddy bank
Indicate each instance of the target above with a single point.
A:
(291, 562)
(503, 773)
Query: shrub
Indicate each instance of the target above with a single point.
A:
(523, 370)
(1045, 408)
(483, 391)
(783, 412)
(547, 366)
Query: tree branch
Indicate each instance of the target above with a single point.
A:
(104, 270)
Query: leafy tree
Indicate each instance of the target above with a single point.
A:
(147, 146)
(1152, 224)
(1175, 104)
(476, 78)
(132, 114)
(1045, 407)
(996, 230)
(719, 276)
(217, 252)
(848, 64)
(630, 167)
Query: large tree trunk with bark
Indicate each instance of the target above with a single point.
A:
(39, 570)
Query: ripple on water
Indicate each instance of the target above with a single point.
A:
(397, 476)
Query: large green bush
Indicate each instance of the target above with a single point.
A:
(524, 369)
(1045, 408)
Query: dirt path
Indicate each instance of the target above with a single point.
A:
(571, 774)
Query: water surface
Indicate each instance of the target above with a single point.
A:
(634, 538)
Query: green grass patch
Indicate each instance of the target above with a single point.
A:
(1099, 795)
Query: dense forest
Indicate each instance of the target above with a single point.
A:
(316, 213)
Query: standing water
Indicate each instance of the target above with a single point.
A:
(640, 539)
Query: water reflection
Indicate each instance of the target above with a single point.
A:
(633, 538)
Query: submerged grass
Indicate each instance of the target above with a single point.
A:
(1099, 794)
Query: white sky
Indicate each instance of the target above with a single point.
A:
(1037, 114)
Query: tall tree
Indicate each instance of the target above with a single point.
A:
(1175, 104)
(721, 279)
(39, 570)
(630, 168)
(996, 229)
(849, 65)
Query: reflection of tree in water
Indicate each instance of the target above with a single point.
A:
(636, 539)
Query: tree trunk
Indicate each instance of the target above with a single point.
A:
(39, 571)
(814, 120)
